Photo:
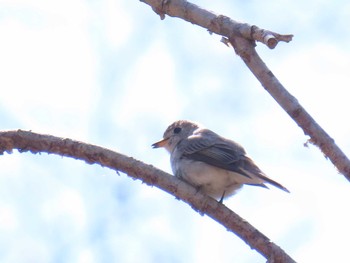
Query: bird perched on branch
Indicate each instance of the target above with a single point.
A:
(213, 164)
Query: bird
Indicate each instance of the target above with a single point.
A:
(217, 166)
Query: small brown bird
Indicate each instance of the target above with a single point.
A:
(213, 164)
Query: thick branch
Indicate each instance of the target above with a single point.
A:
(28, 141)
(245, 49)
(219, 24)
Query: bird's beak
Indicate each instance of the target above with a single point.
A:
(161, 143)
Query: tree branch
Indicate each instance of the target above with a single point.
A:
(242, 37)
(218, 24)
(245, 49)
(26, 141)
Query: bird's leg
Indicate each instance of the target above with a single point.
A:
(222, 197)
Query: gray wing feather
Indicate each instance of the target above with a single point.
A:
(207, 146)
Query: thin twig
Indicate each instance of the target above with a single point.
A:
(26, 141)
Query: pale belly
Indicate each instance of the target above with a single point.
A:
(211, 180)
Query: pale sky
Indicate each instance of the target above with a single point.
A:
(112, 73)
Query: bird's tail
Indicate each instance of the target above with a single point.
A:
(274, 183)
(252, 170)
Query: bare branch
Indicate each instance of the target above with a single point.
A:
(33, 142)
(245, 49)
(218, 24)
(243, 36)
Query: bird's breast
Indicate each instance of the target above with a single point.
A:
(211, 180)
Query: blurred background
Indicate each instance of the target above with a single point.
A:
(111, 73)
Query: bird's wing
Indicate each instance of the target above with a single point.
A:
(217, 151)
(210, 148)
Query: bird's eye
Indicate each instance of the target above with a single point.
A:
(177, 130)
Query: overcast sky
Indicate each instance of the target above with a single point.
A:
(112, 73)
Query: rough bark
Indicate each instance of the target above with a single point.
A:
(26, 141)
